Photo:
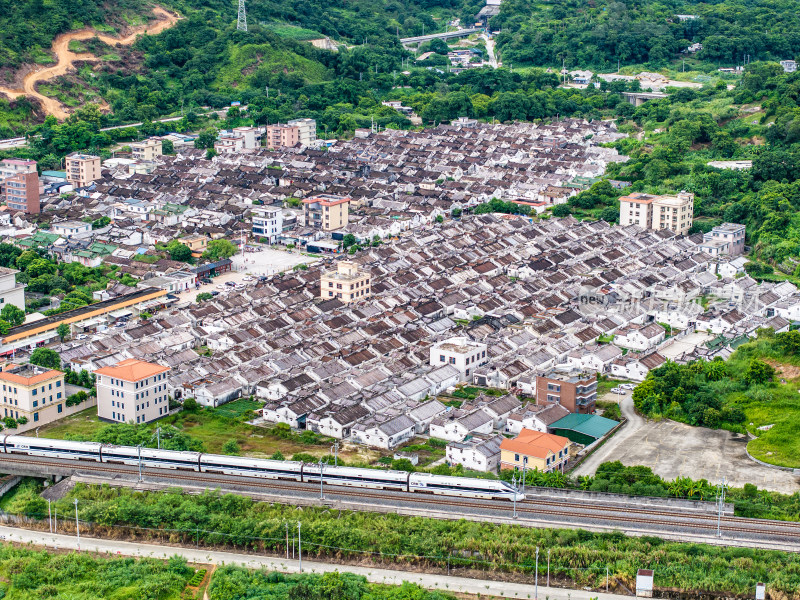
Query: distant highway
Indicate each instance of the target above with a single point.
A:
(543, 508)
(440, 36)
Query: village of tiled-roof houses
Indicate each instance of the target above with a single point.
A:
(368, 347)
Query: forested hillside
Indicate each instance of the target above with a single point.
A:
(601, 32)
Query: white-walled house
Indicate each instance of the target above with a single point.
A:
(538, 418)
(461, 352)
(640, 337)
(387, 435)
(455, 426)
(476, 454)
(338, 425)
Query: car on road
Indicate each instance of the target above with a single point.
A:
(230, 284)
(206, 280)
(617, 390)
(215, 293)
(81, 336)
(627, 386)
(221, 286)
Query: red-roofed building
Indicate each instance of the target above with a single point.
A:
(132, 391)
(534, 450)
(33, 393)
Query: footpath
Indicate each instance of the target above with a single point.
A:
(443, 583)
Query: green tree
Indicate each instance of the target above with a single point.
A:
(219, 249)
(206, 138)
(63, 331)
(101, 222)
(348, 240)
(13, 315)
(759, 372)
(561, 210)
(45, 357)
(179, 251)
(203, 296)
(231, 448)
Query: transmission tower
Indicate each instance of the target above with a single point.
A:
(241, 25)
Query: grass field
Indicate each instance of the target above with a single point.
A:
(780, 445)
(237, 408)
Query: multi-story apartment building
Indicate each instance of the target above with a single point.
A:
(14, 166)
(237, 139)
(577, 392)
(267, 223)
(22, 192)
(11, 292)
(307, 130)
(724, 240)
(149, 149)
(347, 283)
(33, 392)
(132, 391)
(326, 211)
(280, 136)
(789, 66)
(461, 352)
(658, 212)
(82, 169)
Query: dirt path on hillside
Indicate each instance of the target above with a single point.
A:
(66, 58)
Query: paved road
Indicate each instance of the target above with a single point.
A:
(382, 576)
(490, 50)
(444, 35)
(619, 440)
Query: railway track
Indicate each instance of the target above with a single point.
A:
(558, 511)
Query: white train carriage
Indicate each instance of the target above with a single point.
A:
(251, 467)
(462, 486)
(150, 457)
(355, 477)
(17, 444)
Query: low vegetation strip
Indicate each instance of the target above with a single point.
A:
(578, 558)
(27, 573)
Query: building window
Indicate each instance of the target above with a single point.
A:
(35, 417)
(59, 407)
(516, 458)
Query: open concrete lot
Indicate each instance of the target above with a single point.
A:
(677, 450)
(267, 261)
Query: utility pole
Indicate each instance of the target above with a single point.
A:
(335, 449)
(49, 516)
(548, 568)
(514, 485)
(536, 589)
(299, 547)
(321, 494)
(158, 437)
(720, 503)
(241, 23)
(77, 525)
(139, 448)
(287, 540)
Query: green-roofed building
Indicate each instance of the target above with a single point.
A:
(93, 255)
(582, 429)
(40, 239)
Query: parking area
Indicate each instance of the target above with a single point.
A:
(677, 450)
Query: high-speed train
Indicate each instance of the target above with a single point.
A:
(260, 468)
